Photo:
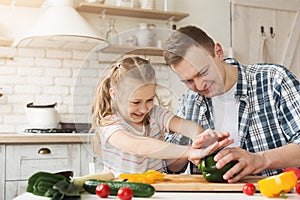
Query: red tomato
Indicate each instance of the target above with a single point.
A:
(125, 193)
(298, 188)
(295, 170)
(103, 190)
(249, 189)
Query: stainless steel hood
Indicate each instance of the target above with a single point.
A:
(60, 26)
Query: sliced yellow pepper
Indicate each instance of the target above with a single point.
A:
(275, 185)
(157, 176)
(150, 176)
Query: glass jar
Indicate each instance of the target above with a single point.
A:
(112, 36)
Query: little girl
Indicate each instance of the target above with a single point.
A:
(132, 129)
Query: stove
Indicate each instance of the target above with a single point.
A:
(63, 128)
(52, 130)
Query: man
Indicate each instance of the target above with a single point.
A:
(258, 104)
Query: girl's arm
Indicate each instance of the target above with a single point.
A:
(155, 148)
(201, 139)
(185, 127)
(193, 130)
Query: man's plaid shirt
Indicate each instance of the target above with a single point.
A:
(269, 112)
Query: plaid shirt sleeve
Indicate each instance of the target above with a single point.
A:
(270, 109)
(186, 103)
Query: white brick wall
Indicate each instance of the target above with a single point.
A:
(53, 75)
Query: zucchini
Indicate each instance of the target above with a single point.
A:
(79, 181)
(139, 189)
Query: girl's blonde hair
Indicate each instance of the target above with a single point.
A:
(131, 67)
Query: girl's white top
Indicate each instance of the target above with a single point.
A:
(118, 161)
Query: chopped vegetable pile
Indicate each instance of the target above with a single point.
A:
(150, 177)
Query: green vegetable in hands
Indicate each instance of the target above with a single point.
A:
(209, 170)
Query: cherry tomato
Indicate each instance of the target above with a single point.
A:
(103, 190)
(249, 189)
(125, 193)
(298, 188)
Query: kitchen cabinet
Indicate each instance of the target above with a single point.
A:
(267, 31)
(2, 170)
(88, 156)
(22, 160)
(134, 13)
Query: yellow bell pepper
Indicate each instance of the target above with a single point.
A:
(150, 176)
(279, 184)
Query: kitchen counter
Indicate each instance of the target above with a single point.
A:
(32, 138)
(175, 195)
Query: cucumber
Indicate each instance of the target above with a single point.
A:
(139, 189)
(79, 181)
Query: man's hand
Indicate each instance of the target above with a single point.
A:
(248, 163)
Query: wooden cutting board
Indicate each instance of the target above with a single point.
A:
(185, 182)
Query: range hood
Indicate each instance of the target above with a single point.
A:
(60, 26)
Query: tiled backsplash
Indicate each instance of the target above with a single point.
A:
(68, 77)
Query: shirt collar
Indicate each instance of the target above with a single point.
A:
(242, 84)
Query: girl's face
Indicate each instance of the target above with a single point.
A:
(135, 106)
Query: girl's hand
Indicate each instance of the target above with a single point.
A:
(195, 155)
(208, 137)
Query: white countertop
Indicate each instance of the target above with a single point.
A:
(176, 196)
(31, 138)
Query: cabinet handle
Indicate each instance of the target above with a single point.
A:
(44, 151)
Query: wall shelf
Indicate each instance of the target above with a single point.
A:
(25, 3)
(131, 12)
(4, 41)
(120, 49)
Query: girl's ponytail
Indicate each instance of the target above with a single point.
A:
(102, 102)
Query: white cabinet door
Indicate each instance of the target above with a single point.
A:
(88, 156)
(24, 160)
(2, 172)
(281, 47)
(14, 189)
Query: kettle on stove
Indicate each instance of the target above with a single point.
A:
(42, 116)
